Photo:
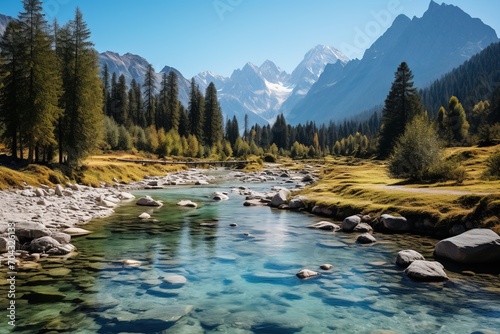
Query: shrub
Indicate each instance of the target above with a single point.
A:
(416, 151)
(493, 166)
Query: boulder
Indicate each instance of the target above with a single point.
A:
(148, 201)
(349, 223)
(296, 204)
(363, 228)
(473, 246)
(63, 238)
(43, 244)
(326, 266)
(188, 204)
(280, 198)
(31, 230)
(395, 224)
(406, 257)
(126, 196)
(306, 273)
(75, 231)
(327, 226)
(366, 238)
(201, 183)
(426, 271)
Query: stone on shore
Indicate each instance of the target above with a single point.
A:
(363, 228)
(126, 196)
(280, 198)
(296, 203)
(327, 226)
(366, 238)
(148, 201)
(59, 190)
(61, 250)
(63, 238)
(426, 271)
(349, 223)
(406, 257)
(395, 224)
(4, 244)
(473, 246)
(188, 204)
(306, 273)
(31, 230)
(43, 244)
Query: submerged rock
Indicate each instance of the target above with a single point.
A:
(220, 196)
(324, 225)
(473, 246)
(326, 266)
(406, 257)
(426, 271)
(144, 215)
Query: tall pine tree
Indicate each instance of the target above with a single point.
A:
(149, 86)
(196, 111)
(401, 105)
(83, 97)
(213, 117)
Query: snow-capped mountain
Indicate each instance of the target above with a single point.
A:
(442, 39)
(309, 71)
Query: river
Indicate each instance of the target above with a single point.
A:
(198, 274)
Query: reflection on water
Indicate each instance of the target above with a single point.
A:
(217, 278)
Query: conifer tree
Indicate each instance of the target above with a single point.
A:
(280, 133)
(11, 75)
(39, 81)
(213, 117)
(149, 86)
(401, 105)
(196, 111)
(161, 119)
(183, 121)
(105, 90)
(83, 93)
(457, 127)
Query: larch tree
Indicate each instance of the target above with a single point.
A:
(83, 94)
(401, 105)
(213, 117)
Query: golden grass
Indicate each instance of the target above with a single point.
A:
(351, 186)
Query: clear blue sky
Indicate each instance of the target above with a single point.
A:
(223, 35)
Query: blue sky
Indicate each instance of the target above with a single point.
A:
(223, 35)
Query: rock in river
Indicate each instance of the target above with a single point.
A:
(426, 271)
(406, 257)
(350, 223)
(306, 273)
(148, 201)
(473, 246)
(188, 204)
(366, 238)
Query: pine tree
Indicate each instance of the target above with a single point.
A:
(280, 133)
(213, 117)
(183, 121)
(39, 81)
(161, 119)
(83, 92)
(172, 103)
(11, 75)
(401, 105)
(149, 86)
(196, 111)
(105, 90)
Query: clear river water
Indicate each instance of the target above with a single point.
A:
(198, 274)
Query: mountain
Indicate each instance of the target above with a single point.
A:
(4, 21)
(442, 39)
(308, 72)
